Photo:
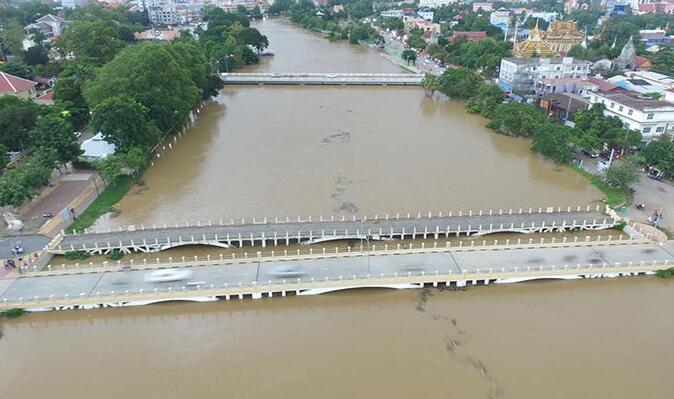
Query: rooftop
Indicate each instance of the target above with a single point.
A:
(637, 102)
(540, 61)
(13, 84)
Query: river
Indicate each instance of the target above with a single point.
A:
(261, 151)
(311, 151)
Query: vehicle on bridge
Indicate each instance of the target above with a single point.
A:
(168, 275)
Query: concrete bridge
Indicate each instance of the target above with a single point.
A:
(339, 79)
(325, 272)
(231, 233)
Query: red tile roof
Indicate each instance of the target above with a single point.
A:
(470, 36)
(46, 97)
(602, 85)
(10, 84)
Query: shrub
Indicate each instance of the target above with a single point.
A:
(76, 255)
(13, 313)
(116, 255)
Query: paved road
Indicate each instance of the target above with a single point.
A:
(319, 269)
(30, 243)
(316, 229)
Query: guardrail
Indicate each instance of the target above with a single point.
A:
(296, 286)
(336, 252)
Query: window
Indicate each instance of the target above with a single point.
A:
(660, 129)
(650, 116)
(620, 109)
(646, 130)
(612, 104)
(630, 111)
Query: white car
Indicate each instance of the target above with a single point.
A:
(288, 271)
(168, 275)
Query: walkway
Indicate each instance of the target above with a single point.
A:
(265, 232)
(314, 274)
(339, 79)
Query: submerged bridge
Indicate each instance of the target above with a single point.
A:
(310, 273)
(340, 79)
(234, 233)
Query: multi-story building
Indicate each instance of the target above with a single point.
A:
(392, 14)
(652, 118)
(51, 26)
(520, 75)
(73, 3)
(162, 12)
(436, 3)
(426, 13)
(484, 6)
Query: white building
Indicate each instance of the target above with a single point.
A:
(96, 148)
(436, 3)
(392, 14)
(500, 17)
(521, 74)
(73, 3)
(425, 13)
(484, 6)
(652, 118)
(162, 12)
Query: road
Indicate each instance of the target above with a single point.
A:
(261, 273)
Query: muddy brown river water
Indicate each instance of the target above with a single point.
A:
(259, 151)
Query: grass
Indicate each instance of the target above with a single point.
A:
(102, 204)
(614, 197)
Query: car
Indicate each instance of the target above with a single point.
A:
(168, 275)
(287, 270)
(590, 153)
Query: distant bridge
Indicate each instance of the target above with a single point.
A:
(338, 79)
(239, 233)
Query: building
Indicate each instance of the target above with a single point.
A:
(652, 118)
(162, 12)
(643, 82)
(392, 14)
(562, 35)
(534, 45)
(73, 3)
(500, 18)
(46, 98)
(543, 15)
(16, 86)
(484, 6)
(563, 106)
(157, 35)
(594, 84)
(425, 13)
(51, 26)
(664, 7)
(521, 74)
(470, 36)
(436, 3)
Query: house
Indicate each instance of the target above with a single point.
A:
(425, 13)
(16, 86)
(74, 3)
(96, 148)
(484, 6)
(595, 84)
(643, 82)
(521, 74)
(470, 36)
(157, 35)
(392, 14)
(563, 106)
(500, 17)
(663, 7)
(557, 85)
(436, 3)
(652, 118)
(46, 98)
(51, 26)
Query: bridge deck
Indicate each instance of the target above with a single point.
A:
(323, 79)
(230, 235)
(329, 274)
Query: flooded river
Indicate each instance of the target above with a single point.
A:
(583, 339)
(259, 151)
(310, 151)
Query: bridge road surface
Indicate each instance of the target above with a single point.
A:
(358, 79)
(92, 283)
(233, 235)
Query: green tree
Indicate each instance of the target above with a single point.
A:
(660, 153)
(17, 68)
(54, 134)
(17, 118)
(622, 174)
(94, 42)
(252, 37)
(552, 141)
(409, 56)
(125, 123)
(431, 83)
(417, 41)
(459, 83)
(22, 183)
(68, 90)
(663, 62)
(150, 75)
(488, 97)
(517, 119)
(11, 37)
(36, 55)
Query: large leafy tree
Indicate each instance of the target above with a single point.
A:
(95, 42)
(36, 55)
(125, 123)
(660, 153)
(623, 174)
(11, 38)
(68, 90)
(17, 118)
(663, 62)
(54, 134)
(517, 119)
(488, 97)
(150, 75)
(22, 183)
(552, 141)
(17, 68)
(459, 83)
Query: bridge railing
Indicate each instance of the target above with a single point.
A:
(333, 252)
(257, 290)
(343, 218)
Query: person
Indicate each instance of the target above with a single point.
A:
(72, 212)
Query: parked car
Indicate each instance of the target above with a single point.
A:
(590, 153)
